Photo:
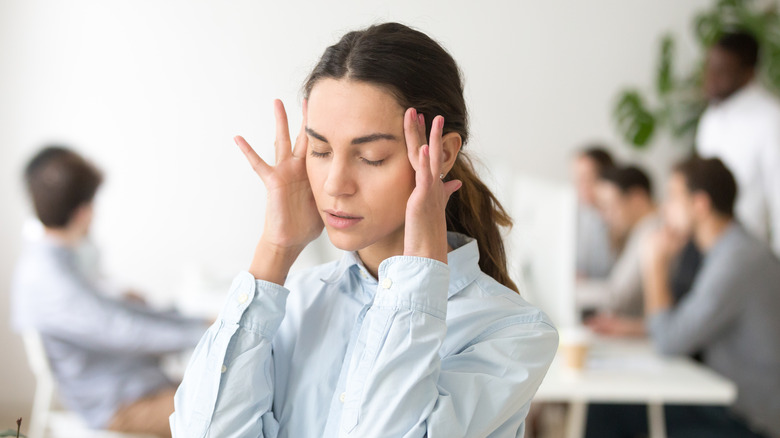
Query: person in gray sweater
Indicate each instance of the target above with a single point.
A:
(729, 314)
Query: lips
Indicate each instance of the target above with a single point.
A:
(340, 219)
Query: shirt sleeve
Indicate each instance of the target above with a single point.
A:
(399, 387)
(80, 314)
(769, 162)
(713, 303)
(227, 388)
(620, 292)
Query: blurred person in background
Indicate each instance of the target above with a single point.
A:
(741, 126)
(595, 249)
(729, 315)
(624, 195)
(104, 352)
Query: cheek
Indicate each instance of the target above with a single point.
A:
(387, 191)
(317, 173)
(676, 216)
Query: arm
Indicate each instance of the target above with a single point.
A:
(81, 315)
(227, 389)
(228, 386)
(399, 387)
(710, 307)
(621, 290)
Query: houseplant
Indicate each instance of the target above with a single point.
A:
(676, 102)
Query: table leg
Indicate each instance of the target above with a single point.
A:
(655, 420)
(575, 421)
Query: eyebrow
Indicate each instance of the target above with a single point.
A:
(355, 141)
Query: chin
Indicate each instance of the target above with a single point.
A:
(346, 241)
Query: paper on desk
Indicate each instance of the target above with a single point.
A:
(631, 363)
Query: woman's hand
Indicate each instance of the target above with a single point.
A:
(291, 219)
(425, 233)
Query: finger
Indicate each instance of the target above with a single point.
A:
(282, 143)
(302, 141)
(451, 187)
(411, 136)
(421, 127)
(261, 167)
(437, 127)
(423, 175)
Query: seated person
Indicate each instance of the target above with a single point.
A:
(684, 268)
(625, 198)
(730, 313)
(595, 249)
(104, 353)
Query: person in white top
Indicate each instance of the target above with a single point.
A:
(741, 126)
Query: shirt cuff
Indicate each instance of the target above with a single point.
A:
(413, 283)
(656, 326)
(255, 305)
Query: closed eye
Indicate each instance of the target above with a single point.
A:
(316, 154)
(372, 163)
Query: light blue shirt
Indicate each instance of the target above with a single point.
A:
(430, 349)
(103, 352)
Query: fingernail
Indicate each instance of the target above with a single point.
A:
(426, 150)
(441, 122)
(421, 118)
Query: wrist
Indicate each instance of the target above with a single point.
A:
(272, 262)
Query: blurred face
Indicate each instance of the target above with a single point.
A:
(585, 179)
(724, 74)
(614, 207)
(679, 207)
(357, 163)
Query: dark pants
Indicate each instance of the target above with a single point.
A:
(682, 421)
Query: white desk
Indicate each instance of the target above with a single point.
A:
(629, 371)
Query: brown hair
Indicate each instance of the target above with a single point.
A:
(600, 156)
(421, 74)
(713, 178)
(59, 181)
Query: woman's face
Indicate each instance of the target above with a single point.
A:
(358, 164)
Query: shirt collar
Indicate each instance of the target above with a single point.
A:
(463, 261)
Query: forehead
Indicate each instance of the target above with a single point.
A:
(347, 108)
(722, 56)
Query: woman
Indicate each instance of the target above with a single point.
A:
(416, 331)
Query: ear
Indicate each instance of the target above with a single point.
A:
(451, 144)
(82, 216)
(702, 205)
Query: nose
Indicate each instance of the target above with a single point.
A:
(340, 181)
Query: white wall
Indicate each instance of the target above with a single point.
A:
(154, 92)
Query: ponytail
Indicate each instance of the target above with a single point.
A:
(475, 211)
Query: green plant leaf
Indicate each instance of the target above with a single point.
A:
(664, 80)
(634, 121)
(12, 433)
(708, 28)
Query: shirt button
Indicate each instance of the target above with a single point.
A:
(386, 283)
(242, 298)
(342, 396)
(224, 368)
